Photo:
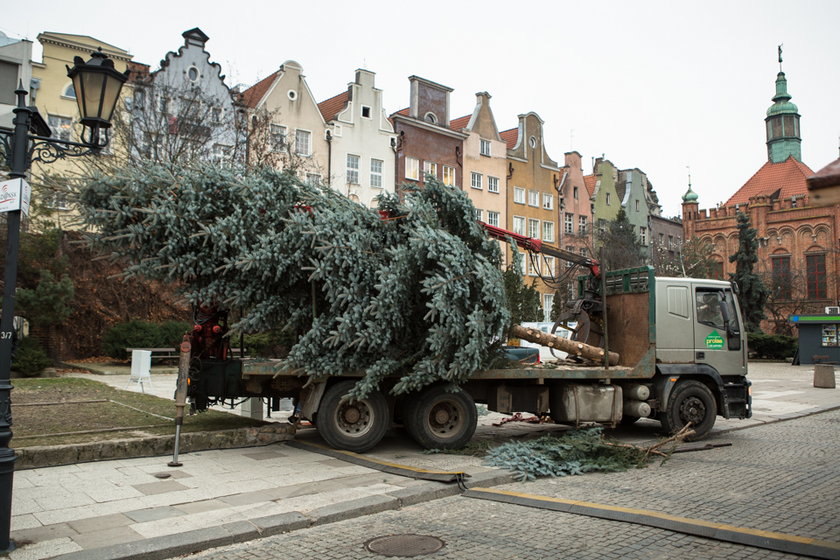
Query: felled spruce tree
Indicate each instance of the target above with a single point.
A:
(413, 291)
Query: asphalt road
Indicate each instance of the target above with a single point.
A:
(782, 477)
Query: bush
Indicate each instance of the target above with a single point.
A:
(772, 346)
(29, 359)
(142, 334)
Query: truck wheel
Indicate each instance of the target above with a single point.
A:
(439, 419)
(352, 425)
(692, 402)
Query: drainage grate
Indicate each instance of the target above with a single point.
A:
(404, 545)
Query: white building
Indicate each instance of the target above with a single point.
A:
(361, 141)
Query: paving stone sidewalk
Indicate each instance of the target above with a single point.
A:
(121, 509)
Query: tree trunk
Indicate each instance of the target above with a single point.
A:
(571, 346)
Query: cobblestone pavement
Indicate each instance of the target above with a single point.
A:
(780, 477)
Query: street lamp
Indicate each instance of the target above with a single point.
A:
(98, 86)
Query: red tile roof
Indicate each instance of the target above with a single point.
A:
(778, 180)
(510, 136)
(589, 182)
(460, 122)
(252, 96)
(331, 107)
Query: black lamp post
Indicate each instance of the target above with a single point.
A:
(98, 86)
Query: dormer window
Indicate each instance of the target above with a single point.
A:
(431, 117)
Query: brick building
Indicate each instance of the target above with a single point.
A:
(798, 242)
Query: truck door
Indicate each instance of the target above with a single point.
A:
(718, 341)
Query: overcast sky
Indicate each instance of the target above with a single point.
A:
(654, 85)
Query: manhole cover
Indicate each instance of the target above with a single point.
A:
(404, 545)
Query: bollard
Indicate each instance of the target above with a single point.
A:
(824, 376)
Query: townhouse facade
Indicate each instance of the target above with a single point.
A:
(55, 98)
(485, 163)
(184, 110)
(426, 145)
(286, 127)
(574, 210)
(361, 142)
(15, 69)
(533, 181)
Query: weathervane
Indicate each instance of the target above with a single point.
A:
(689, 175)
(780, 56)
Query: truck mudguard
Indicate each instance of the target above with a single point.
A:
(669, 374)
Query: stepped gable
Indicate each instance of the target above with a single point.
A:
(776, 180)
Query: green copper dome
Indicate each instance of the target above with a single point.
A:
(690, 195)
(782, 104)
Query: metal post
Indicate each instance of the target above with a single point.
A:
(20, 154)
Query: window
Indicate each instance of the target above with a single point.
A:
(475, 180)
(643, 235)
(493, 218)
(430, 168)
(570, 264)
(365, 111)
(549, 265)
(533, 228)
(57, 199)
(220, 153)
(163, 105)
(519, 195)
(60, 127)
(193, 74)
(534, 199)
(430, 117)
(548, 232)
(519, 225)
(575, 193)
(582, 251)
(352, 169)
(448, 176)
(277, 138)
(69, 91)
(533, 266)
(815, 276)
(412, 168)
(139, 100)
(532, 141)
(479, 215)
(376, 173)
(569, 223)
(637, 206)
(216, 112)
(708, 308)
(717, 270)
(671, 245)
(608, 198)
(781, 276)
(303, 145)
(313, 178)
(548, 201)
(548, 304)
(492, 184)
(484, 147)
(8, 82)
(582, 225)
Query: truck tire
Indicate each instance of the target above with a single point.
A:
(352, 425)
(690, 401)
(438, 419)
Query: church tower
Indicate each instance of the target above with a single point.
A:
(783, 139)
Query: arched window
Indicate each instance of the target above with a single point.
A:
(431, 117)
(69, 91)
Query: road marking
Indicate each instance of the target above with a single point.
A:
(771, 540)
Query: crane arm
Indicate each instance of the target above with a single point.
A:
(537, 246)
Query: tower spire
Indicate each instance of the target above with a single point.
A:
(783, 139)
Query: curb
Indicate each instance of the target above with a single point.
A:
(152, 446)
(161, 548)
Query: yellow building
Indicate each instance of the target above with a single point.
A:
(53, 94)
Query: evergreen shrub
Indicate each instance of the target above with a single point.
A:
(142, 334)
(30, 359)
(771, 346)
